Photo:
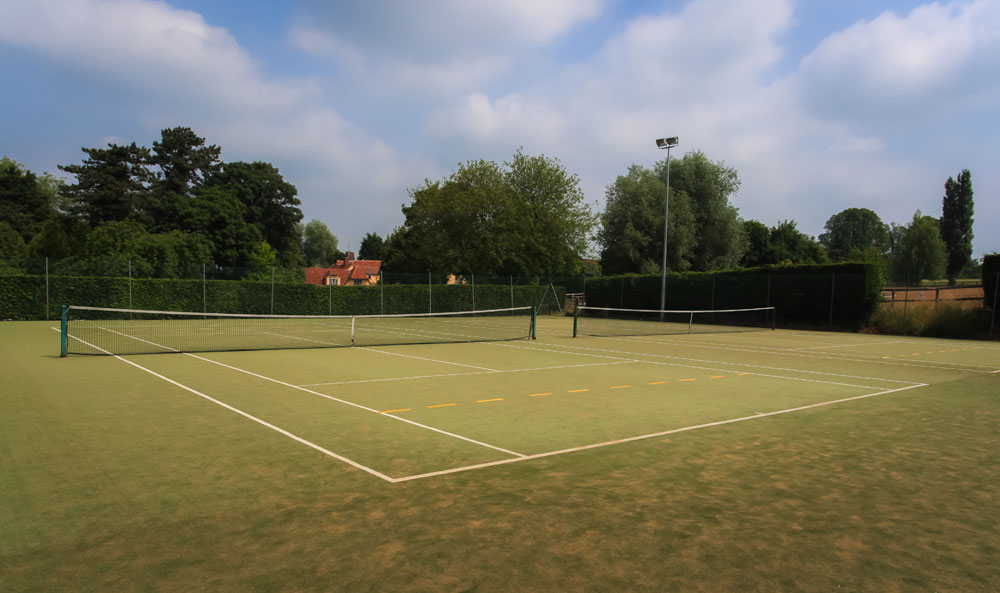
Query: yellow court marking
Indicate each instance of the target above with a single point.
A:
(718, 377)
(682, 380)
(621, 387)
(393, 411)
(539, 394)
(495, 399)
(656, 383)
(577, 390)
(442, 405)
(885, 357)
(741, 374)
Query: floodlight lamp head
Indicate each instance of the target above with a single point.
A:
(666, 142)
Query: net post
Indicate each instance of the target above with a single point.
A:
(576, 318)
(534, 321)
(352, 329)
(690, 320)
(63, 332)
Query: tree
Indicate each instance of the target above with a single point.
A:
(631, 233)
(111, 185)
(184, 162)
(719, 234)
(24, 201)
(319, 245)
(854, 229)
(270, 205)
(789, 245)
(758, 243)
(12, 245)
(526, 218)
(956, 222)
(372, 246)
(920, 252)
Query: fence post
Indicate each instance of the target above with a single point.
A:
(381, 295)
(512, 292)
(996, 289)
(329, 290)
(473, 292)
(430, 296)
(130, 286)
(204, 290)
(46, 288)
(833, 280)
(621, 294)
(272, 290)
(768, 300)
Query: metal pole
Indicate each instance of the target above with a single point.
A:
(767, 302)
(473, 292)
(996, 289)
(272, 290)
(381, 299)
(46, 288)
(666, 219)
(329, 290)
(130, 285)
(204, 291)
(512, 292)
(833, 280)
(430, 297)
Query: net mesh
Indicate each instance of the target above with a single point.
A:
(95, 330)
(598, 321)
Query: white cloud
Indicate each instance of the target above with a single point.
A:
(915, 67)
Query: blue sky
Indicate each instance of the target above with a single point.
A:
(820, 105)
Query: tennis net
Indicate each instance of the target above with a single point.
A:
(599, 321)
(97, 330)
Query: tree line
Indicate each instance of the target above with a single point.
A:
(177, 204)
(163, 210)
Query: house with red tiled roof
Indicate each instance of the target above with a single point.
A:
(347, 272)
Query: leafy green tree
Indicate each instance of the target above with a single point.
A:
(854, 228)
(319, 245)
(956, 223)
(526, 218)
(789, 245)
(111, 185)
(920, 253)
(631, 233)
(372, 246)
(758, 242)
(60, 237)
(12, 245)
(720, 240)
(184, 162)
(220, 217)
(270, 205)
(24, 201)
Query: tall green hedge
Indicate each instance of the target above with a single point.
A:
(800, 293)
(991, 270)
(22, 297)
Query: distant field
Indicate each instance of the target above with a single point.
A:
(762, 461)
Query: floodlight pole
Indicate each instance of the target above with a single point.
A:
(665, 143)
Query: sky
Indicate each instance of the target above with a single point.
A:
(820, 105)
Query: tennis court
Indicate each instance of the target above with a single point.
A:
(619, 425)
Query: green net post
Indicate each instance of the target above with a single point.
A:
(576, 317)
(534, 321)
(63, 325)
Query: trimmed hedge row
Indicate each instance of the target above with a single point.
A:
(803, 293)
(23, 297)
(991, 268)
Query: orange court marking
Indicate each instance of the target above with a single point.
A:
(577, 390)
(718, 377)
(539, 394)
(688, 380)
(621, 387)
(442, 405)
(392, 411)
(483, 401)
(741, 374)
(656, 383)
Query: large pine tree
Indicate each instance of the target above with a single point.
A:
(956, 222)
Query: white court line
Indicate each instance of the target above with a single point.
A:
(782, 352)
(323, 395)
(565, 366)
(724, 370)
(648, 436)
(244, 414)
(458, 364)
(848, 345)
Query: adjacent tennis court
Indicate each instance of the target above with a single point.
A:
(419, 463)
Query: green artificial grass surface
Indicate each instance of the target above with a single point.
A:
(112, 479)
